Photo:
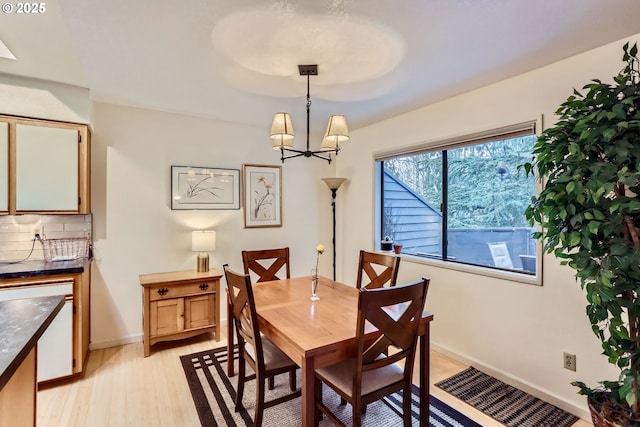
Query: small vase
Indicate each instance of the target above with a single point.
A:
(314, 285)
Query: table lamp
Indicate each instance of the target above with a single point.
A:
(203, 241)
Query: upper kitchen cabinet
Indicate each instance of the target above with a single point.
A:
(47, 165)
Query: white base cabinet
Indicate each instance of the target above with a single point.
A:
(63, 348)
(55, 346)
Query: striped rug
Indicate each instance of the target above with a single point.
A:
(214, 393)
(507, 404)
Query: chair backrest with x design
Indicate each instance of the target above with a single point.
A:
(395, 313)
(267, 264)
(379, 269)
(244, 312)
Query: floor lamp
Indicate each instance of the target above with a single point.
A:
(334, 184)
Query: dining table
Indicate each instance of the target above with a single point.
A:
(319, 333)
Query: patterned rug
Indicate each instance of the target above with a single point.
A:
(213, 394)
(508, 405)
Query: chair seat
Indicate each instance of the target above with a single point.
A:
(341, 376)
(274, 358)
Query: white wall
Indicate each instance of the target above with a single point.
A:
(516, 330)
(136, 232)
(22, 96)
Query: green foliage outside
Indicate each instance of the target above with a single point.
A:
(486, 189)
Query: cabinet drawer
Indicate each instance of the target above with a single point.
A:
(165, 292)
(17, 292)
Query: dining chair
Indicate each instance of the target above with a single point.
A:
(380, 269)
(265, 359)
(266, 264)
(395, 313)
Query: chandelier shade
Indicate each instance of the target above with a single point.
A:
(337, 132)
(282, 126)
(282, 129)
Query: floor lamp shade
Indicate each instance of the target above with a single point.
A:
(203, 242)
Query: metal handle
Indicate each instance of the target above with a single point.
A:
(204, 286)
(162, 292)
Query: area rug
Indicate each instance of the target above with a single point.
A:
(214, 393)
(507, 404)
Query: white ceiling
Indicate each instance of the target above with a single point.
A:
(236, 60)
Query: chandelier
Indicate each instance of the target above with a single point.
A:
(282, 129)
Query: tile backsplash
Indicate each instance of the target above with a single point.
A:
(17, 233)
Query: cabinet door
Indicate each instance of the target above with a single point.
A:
(18, 396)
(199, 311)
(46, 168)
(4, 167)
(166, 316)
(55, 347)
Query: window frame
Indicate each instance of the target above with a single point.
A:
(529, 127)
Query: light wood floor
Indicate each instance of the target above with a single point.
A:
(123, 388)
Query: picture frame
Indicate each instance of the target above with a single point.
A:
(206, 188)
(262, 195)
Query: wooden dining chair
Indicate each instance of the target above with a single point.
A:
(265, 359)
(379, 269)
(266, 264)
(375, 372)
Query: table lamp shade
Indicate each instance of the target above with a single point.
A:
(203, 242)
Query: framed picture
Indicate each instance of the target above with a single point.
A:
(204, 188)
(262, 196)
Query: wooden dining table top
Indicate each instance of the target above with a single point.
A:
(286, 311)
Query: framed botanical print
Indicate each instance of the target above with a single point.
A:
(204, 188)
(262, 196)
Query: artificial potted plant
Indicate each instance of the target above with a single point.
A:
(589, 213)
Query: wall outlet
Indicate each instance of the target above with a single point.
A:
(569, 361)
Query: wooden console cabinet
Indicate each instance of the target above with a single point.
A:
(180, 304)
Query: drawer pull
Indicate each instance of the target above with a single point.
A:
(204, 286)
(162, 292)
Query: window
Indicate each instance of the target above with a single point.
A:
(462, 200)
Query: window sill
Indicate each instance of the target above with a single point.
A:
(511, 276)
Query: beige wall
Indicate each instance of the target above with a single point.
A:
(41, 99)
(136, 232)
(516, 330)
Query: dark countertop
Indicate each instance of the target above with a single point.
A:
(41, 267)
(22, 323)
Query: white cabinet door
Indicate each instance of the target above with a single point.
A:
(55, 346)
(46, 168)
(4, 167)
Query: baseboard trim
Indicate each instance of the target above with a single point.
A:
(99, 345)
(516, 382)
